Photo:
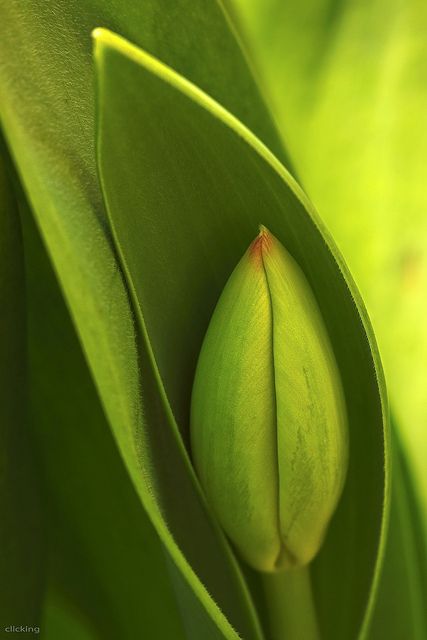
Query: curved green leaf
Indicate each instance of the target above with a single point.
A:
(347, 81)
(186, 186)
(21, 532)
(46, 103)
(400, 611)
(104, 555)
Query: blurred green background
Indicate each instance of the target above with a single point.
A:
(348, 84)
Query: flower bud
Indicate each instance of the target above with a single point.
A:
(268, 422)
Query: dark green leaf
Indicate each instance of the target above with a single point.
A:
(21, 532)
(400, 611)
(60, 620)
(105, 556)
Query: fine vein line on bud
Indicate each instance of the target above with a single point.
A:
(268, 424)
(261, 245)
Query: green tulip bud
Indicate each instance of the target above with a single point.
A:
(268, 421)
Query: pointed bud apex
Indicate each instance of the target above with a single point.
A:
(268, 425)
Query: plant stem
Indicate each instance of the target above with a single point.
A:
(290, 605)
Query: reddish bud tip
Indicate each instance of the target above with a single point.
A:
(260, 245)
